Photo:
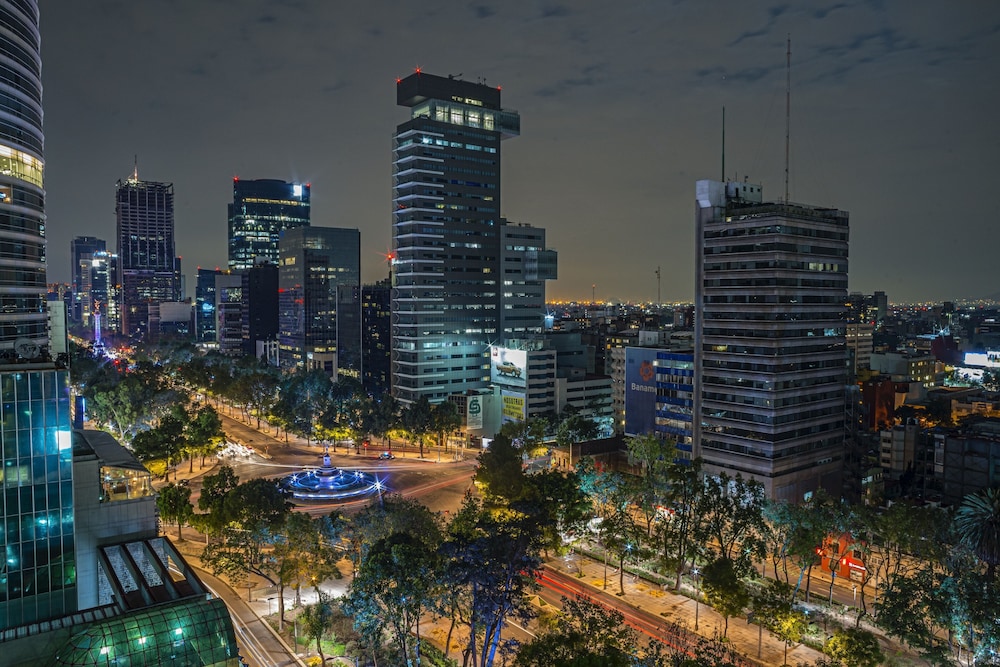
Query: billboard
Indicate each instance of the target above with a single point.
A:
(474, 413)
(508, 368)
(640, 390)
(513, 407)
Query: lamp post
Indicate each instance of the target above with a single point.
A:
(269, 601)
(697, 596)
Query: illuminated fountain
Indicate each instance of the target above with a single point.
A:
(328, 483)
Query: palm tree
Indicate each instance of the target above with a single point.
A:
(977, 524)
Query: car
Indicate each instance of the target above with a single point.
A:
(386, 456)
(184, 482)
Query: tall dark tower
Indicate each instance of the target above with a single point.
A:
(146, 254)
(38, 578)
(260, 211)
(448, 280)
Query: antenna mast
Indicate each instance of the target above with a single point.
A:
(788, 107)
(658, 302)
(723, 154)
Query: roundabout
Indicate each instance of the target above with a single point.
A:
(330, 484)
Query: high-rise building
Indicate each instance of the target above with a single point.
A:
(146, 255)
(319, 310)
(82, 250)
(770, 353)
(100, 284)
(260, 308)
(205, 327)
(260, 211)
(38, 578)
(451, 296)
(376, 338)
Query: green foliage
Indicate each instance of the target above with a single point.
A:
(390, 590)
(731, 520)
(855, 647)
(174, 505)
(724, 589)
(977, 525)
(575, 428)
(584, 635)
(316, 619)
(500, 471)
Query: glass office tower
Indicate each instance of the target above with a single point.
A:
(260, 211)
(37, 573)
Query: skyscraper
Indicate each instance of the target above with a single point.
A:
(260, 211)
(38, 577)
(450, 291)
(319, 306)
(146, 255)
(82, 249)
(770, 353)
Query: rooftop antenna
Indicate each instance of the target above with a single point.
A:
(788, 107)
(723, 155)
(658, 302)
(135, 170)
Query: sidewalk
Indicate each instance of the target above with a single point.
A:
(680, 610)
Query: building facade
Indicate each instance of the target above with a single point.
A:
(447, 243)
(146, 253)
(319, 308)
(260, 308)
(82, 250)
(376, 338)
(260, 211)
(770, 352)
(38, 578)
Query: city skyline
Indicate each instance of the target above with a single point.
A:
(623, 110)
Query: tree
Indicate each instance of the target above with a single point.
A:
(500, 471)
(255, 513)
(492, 557)
(316, 619)
(731, 520)
(165, 442)
(559, 496)
(174, 504)
(585, 634)
(977, 525)
(383, 418)
(418, 419)
(772, 608)
(444, 420)
(203, 433)
(724, 590)
(680, 523)
(391, 589)
(855, 647)
(574, 429)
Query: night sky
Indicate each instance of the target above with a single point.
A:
(894, 118)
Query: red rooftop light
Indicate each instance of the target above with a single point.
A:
(398, 80)
(417, 70)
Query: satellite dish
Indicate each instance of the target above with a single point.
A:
(26, 348)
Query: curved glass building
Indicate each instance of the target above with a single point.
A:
(23, 319)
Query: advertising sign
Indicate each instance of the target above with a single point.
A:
(474, 413)
(508, 368)
(640, 390)
(513, 407)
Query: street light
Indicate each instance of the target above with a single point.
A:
(697, 596)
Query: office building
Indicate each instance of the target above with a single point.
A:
(82, 250)
(260, 308)
(229, 313)
(146, 257)
(38, 579)
(260, 211)
(376, 339)
(451, 296)
(205, 328)
(770, 353)
(319, 307)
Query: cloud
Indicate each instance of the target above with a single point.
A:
(555, 11)
(483, 12)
